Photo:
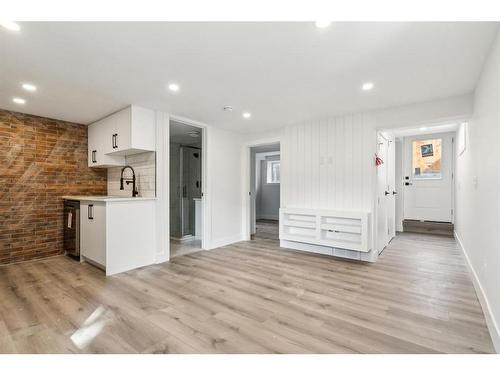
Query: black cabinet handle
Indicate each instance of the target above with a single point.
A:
(90, 212)
(94, 159)
(114, 140)
(386, 193)
(408, 183)
(394, 192)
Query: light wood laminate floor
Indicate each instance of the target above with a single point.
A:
(250, 297)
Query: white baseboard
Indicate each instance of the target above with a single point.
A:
(161, 258)
(225, 241)
(326, 250)
(483, 299)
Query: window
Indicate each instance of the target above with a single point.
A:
(273, 171)
(426, 163)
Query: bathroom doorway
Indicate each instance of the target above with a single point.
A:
(186, 142)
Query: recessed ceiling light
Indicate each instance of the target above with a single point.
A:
(322, 24)
(18, 100)
(29, 87)
(423, 128)
(173, 87)
(367, 86)
(9, 25)
(247, 114)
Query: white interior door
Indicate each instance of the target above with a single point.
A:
(391, 187)
(428, 166)
(382, 196)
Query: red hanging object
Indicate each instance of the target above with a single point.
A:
(378, 161)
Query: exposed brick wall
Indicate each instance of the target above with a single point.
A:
(40, 160)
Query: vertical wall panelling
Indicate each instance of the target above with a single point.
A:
(328, 164)
(323, 161)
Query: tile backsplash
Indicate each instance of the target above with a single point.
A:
(144, 165)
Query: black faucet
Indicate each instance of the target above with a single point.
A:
(128, 180)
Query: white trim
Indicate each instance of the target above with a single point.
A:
(162, 187)
(483, 299)
(246, 170)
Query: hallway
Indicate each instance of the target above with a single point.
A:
(266, 229)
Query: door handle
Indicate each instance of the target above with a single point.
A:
(90, 212)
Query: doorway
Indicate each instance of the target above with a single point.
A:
(186, 229)
(386, 190)
(427, 170)
(265, 186)
(415, 183)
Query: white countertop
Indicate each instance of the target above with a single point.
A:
(105, 198)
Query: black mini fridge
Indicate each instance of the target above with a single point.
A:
(72, 228)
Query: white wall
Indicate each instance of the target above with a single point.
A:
(477, 219)
(224, 186)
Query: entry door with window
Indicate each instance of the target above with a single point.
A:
(428, 179)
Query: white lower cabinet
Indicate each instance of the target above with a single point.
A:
(93, 232)
(118, 236)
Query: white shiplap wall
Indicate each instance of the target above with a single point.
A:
(329, 164)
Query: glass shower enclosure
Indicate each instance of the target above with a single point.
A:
(188, 187)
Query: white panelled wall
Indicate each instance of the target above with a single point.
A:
(329, 164)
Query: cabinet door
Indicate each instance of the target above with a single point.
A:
(93, 145)
(99, 141)
(93, 231)
(108, 130)
(122, 121)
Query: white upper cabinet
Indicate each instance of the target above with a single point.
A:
(131, 131)
(126, 132)
(97, 141)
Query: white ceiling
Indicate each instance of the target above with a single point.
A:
(282, 73)
(423, 130)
